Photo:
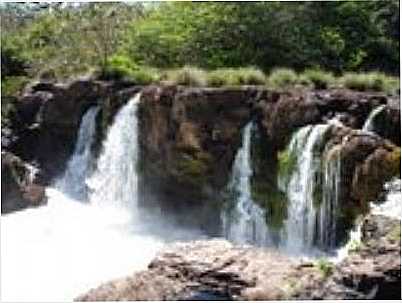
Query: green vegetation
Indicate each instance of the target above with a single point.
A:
(282, 78)
(188, 75)
(325, 267)
(286, 162)
(320, 79)
(204, 43)
(373, 81)
(395, 234)
(272, 200)
(236, 76)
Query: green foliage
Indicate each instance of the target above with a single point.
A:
(320, 79)
(325, 267)
(286, 162)
(373, 81)
(354, 246)
(188, 75)
(236, 76)
(282, 78)
(395, 234)
(272, 200)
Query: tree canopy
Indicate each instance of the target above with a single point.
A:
(337, 36)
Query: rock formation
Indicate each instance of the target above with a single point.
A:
(216, 269)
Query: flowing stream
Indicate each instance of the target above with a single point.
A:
(58, 251)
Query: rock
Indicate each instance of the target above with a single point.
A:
(218, 269)
(18, 188)
(47, 117)
(373, 271)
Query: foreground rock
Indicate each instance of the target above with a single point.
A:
(18, 187)
(216, 269)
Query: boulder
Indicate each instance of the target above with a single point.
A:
(18, 188)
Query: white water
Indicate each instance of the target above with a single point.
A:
(369, 125)
(391, 207)
(56, 252)
(301, 224)
(78, 167)
(330, 199)
(245, 223)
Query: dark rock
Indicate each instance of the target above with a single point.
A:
(18, 188)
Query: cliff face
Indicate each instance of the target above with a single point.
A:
(189, 136)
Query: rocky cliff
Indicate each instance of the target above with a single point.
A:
(189, 136)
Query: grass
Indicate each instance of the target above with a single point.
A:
(187, 75)
(236, 77)
(325, 267)
(372, 81)
(282, 78)
(318, 78)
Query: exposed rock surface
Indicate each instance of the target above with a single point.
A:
(47, 117)
(219, 270)
(18, 188)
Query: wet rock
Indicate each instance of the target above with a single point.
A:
(372, 271)
(218, 269)
(18, 188)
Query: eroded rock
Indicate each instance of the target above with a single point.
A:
(223, 270)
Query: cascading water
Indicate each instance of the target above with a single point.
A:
(76, 246)
(300, 232)
(115, 180)
(73, 181)
(330, 198)
(369, 125)
(244, 221)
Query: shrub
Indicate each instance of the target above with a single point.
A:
(325, 267)
(373, 81)
(119, 67)
(188, 75)
(250, 76)
(320, 79)
(144, 75)
(282, 77)
(303, 80)
(236, 76)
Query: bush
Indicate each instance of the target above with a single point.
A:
(188, 75)
(235, 77)
(119, 67)
(373, 81)
(144, 75)
(320, 79)
(282, 77)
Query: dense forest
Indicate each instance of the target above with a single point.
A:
(139, 40)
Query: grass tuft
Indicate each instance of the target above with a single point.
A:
(282, 78)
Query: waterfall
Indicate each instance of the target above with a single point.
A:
(58, 251)
(391, 207)
(369, 125)
(115, 179)
(73, 180)
(301, 224)
(330, 198)
(244, 221)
